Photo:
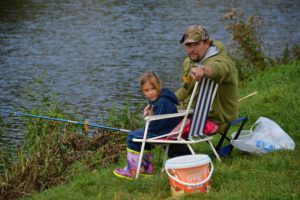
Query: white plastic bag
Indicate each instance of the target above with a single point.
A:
(267, 136)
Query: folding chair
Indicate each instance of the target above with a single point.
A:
(207, 91)
(226, 150)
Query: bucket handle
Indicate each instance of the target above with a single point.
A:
(192, 184)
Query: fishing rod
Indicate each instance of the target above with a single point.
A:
(249, 95)
(85, 123)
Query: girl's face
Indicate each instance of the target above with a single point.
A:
(149, 91)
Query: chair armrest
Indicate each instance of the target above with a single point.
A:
(166, 116)
(184, 111)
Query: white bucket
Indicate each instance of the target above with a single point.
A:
(188, 174)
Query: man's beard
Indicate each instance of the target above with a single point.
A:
(198, 58)
(195, 60)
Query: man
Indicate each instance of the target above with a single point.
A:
(207, 58)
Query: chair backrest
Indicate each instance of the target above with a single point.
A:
(207, 91)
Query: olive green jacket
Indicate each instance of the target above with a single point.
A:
(225, 105)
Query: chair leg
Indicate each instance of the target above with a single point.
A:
(138, 169)
(191, 149)
(165, 158)
(220, 143)
(214, 150)
(226, 150)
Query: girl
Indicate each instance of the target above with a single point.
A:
(161, 101)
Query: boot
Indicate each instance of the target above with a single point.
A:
(129, 171)
(147, 164)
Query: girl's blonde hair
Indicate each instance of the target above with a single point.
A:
(152, 78)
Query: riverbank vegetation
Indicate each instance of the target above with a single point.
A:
(80, 164)
(247, 45)
(240, 176)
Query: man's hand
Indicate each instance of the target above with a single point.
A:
(197, 73)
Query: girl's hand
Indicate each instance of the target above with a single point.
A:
(147, 109)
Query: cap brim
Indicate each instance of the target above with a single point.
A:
(189, 41)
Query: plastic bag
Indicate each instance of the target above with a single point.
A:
(266, 137)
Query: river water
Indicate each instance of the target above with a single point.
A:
(90, 53)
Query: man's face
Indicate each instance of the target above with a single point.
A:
(196, 50)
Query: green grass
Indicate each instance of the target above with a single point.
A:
(241, 176)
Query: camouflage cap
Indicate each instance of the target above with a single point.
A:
(194, 34)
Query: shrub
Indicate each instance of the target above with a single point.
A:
(125, 118)
(247, 45)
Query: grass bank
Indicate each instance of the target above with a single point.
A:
(240, 176)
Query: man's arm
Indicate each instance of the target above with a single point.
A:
(181, 94)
